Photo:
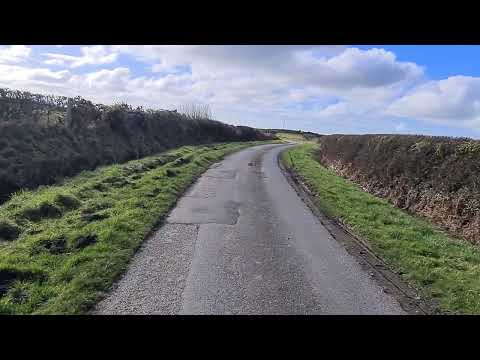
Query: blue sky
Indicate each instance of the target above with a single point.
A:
(421, 89)
(441, 61)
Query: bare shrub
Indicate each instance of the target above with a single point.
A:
(196, 111)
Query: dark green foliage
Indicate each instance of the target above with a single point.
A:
(96, 207)
(170, 173)
(444, 163)
(9, 230)
(117, 181)
(155, 192)
(34, 150)
(43, 211)
(54, 246)
(96, 216)
(181, 161)
(8, 275)
(83, 241)
(67, 201)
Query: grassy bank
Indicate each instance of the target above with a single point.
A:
(445, 270)
(435, 177)
(62, 246)
(46, 138)
(295, 137)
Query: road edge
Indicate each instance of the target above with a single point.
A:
(157, 226)
(408, 297)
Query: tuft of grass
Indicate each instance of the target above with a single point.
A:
(67, 201)
(446, 270)
(41, 211)
(170, 173)
(81, 234)
(9, 230)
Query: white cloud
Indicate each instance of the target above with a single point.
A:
(14, 73)
(345, 109)
(14, 53)
(113, 80)
(327, 88)
(274, 76)
(267, 82)
(355, 68)
(93, 55)
(326, 67)
(455, 101)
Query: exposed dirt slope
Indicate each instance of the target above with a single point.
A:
(435, 177)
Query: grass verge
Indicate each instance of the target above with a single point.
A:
(444, 269)
(62, 246)
(295, 137)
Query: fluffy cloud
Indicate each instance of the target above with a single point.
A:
(107, 80)
(455, 100)
(14, 53)
(322, 88)
(266, 82)
(18, 74)
(277, 79)
(355, 68)
(244, 76)
(323, 67)
(94, 55)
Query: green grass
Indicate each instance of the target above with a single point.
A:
(285, 136)
(64, 245)
(444, 269)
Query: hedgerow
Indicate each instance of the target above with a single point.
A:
(46, 138)
(436, 177)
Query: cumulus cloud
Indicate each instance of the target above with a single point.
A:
(255, 75)
(455, 100)
(324, 88)
(14, 53)
(355, 68)
(267, 82)
(275, 78)
(326, 67)
(93, 55)
(14, 73)
(226, 56)
(110, 80)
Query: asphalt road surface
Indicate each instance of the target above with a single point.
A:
(241, 241)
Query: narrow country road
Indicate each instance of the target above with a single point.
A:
(241, 241)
